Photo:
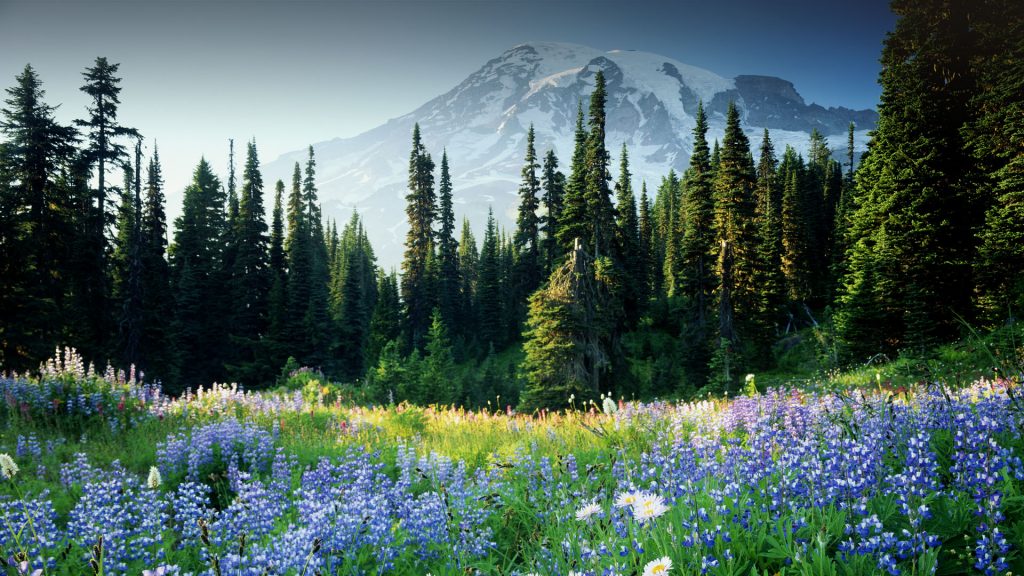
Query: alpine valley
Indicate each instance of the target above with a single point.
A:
(482, 124)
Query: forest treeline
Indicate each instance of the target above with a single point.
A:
(606, 285)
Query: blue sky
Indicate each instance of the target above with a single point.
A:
(290, 73)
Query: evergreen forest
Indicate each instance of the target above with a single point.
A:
(605, 286)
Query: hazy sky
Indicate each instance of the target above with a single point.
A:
(291, 73)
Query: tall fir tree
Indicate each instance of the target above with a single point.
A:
(449, 283)
(917, 186)
(768, 211)
(600, 225)
(386, 321)
(251, 280)
(489, 301)
(553, 183)
(298, 253)
(37, 224)
(420, 211)
(277, 300)
(469, 259)
(197, 280)
(103, 151)
(736, 237)
(698, 255)
(528, 271)
(628, 239)
(157, 346)
(645, 231)
(572, 219)
(317, 326)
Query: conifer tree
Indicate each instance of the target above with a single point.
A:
(436, 379)
(628, 238)
(316, 319)
(103, 151)
(156, 348)
(197, 279)
(553, 183)
(698, 254)
(251, 279)
(572, 219)
(565, 339)
(298, 255)
(420, 210)
(468, 265)
(795, 257)
(526, 276)
(768, 211)
(736, 237)
(277, 316)
(386, 321)
(600, 228)
(489, 301)
(645, 231)
(36, 224)
(917, 185)
(449, 283)
(670, 231)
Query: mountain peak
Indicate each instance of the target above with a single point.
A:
(482, 122)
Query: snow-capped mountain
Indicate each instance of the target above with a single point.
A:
(482, 123)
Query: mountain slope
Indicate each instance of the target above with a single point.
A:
(482, 124)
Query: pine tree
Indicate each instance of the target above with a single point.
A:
(277, 315)
(526, 276)
(795, 257)
(997, 146)
(917, 185)
(628, 238)
(736, 237)
(572, 220)
(156, 347)
(469, 260)
(251, 280)
(768, 210)
(37, 215)
(126, 262)
(316, 319)
(386, 322)
(667, 230)
(298, 255)
(420, 210)
(553, 183)
(103, 151)
(196, 273)
(488, 288)
(436, 378)
(645, 230)
(698, 252)
(449, 283)
(600, 230)
(565, 339)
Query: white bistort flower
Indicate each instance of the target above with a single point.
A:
(587, 511)
(7, 466)
(650, 506)
(154, 479)
(659, 567)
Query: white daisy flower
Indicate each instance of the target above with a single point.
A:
(649, 507)
(659, 567)
(587, 511)
(627, 499)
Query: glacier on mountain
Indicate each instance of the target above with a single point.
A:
(482, 124)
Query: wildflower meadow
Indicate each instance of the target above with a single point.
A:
(102, 474)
